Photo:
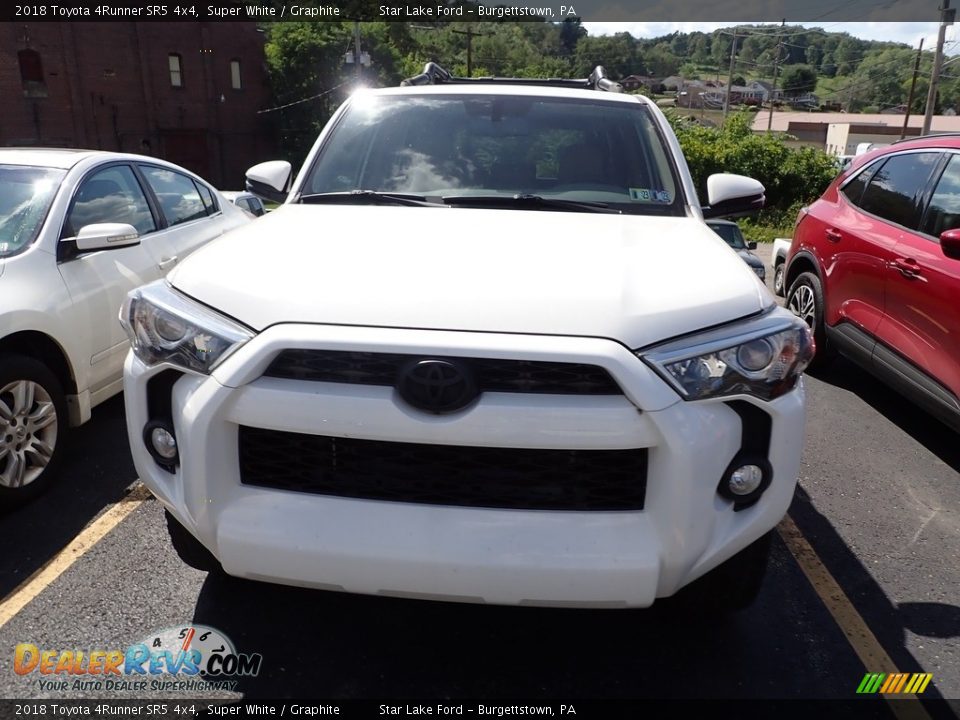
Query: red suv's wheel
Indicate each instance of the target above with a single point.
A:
(805, 300)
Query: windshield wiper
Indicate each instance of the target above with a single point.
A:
(366, 197)
(529, 201)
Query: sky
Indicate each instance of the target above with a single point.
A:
(909, 33)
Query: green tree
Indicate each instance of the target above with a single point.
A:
(571, 32)
(789, 175)
(700, 49)
(798, 79)
(848, 54)
(305, 60)
(617, 53)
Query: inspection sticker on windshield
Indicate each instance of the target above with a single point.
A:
(647, 195)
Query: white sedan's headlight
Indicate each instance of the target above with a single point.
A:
(762, 357)
(167, 327)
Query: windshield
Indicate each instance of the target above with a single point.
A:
(489, 145)
(731, 235)
(25, 197)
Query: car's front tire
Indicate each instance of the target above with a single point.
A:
(189, 549)
(778, 278)
(33, 420)
(732, 586)
(805, 300)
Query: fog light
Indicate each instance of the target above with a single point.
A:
(744, 480)
(161, 443)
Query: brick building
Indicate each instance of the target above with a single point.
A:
(185, 92)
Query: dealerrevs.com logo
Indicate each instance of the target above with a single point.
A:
(191, 657)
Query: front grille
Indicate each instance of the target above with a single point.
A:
(493, 375)
(444, 474)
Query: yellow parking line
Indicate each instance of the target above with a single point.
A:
(853, 626)
(53, 568)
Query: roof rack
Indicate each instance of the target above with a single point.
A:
(433, 74)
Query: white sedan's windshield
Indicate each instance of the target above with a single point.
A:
(25, 197)
(569, 149)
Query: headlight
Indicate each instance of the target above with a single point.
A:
(760, 271)
(167, 327)
(762, 357)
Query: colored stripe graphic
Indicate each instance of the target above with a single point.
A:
(894, 683)
(890, 682)
(877, 680)
(921, 685)
(862, 688)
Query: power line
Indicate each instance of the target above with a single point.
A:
(307, 99)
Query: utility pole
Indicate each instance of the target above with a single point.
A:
(356, 48)
(913, 86)
(776, 67)
(946, 18)
(470, 33)
(733, 57)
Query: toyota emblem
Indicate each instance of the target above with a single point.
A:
(436, 386)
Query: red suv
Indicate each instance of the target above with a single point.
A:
(874, 269)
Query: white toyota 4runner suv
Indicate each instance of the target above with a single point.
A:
(486, 351)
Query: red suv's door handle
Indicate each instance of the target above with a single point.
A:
(833, 235)
(907, 266)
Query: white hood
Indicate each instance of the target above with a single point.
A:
(635, 279)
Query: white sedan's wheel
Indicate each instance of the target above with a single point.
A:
(32, 419)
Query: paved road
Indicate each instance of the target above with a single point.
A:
(878, 501)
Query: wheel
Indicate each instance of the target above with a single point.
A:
(732, 586)
(33, 419)
(805, 300)
(778, 273)
(190, 550)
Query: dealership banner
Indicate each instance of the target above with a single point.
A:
(732, 11)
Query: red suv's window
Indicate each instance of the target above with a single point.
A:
(944, 211)
(855, 187)
(895, 190)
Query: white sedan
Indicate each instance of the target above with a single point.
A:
(78, 230)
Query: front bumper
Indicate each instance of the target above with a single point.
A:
(504, 556)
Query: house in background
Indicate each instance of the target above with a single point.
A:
(185, 92)
(633, 82)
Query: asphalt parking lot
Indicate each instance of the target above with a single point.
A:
(864, 578)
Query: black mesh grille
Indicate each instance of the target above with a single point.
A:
(444, 474)
(519, 376)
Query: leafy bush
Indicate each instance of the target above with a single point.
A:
(791, 176)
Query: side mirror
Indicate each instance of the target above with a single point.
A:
(950, 243)
(752, 245)
(731, 195)
(270, 180)
(103, 236)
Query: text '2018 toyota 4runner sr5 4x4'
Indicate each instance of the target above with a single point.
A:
(464, 361)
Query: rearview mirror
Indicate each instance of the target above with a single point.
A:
(752, 245)
(104, 236)
(950, 243)
(732, 195)
(270, 180)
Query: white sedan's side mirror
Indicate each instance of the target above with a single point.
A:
(732, 195)
(104, 236)
(270, 180)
